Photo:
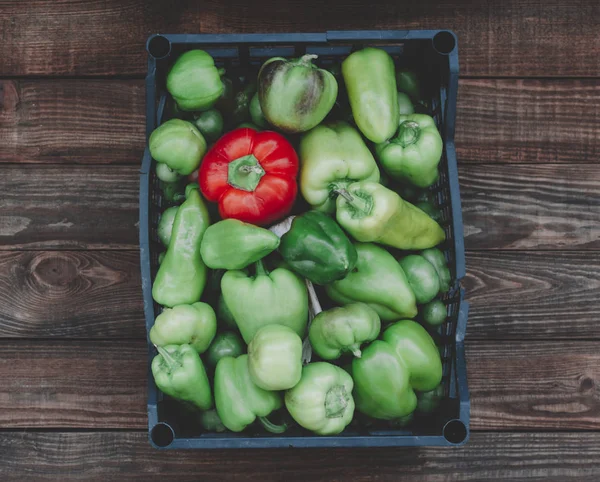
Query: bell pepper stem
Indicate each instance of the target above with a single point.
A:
(260, 268)
(336, 401)
(356, 202)
(408, 134)
(307, 59)
(271, 427)
(168, 358)
(355, 349)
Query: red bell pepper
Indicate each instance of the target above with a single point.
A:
(252, 175)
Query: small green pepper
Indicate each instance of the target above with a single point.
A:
(194, 324)
(405, 105)
(233, 244)
(438, 260)
(428, 402)
(224, 344)
(179, 373)
(343, 329)
(377, 280)
(322, 401)
(317, 248)
(166, 174)
(238, 400)
(256, 113)
(224, 313)
(165, 225)
(422, 277)
(194, 81)
(179, 145)
(413, 154)
(275, 358)
(210, 124)
(172, 192)
(211, 422)
(371, 212)
(407, 81)
(434, 313)
(181, 276)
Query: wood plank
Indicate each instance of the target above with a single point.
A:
(511, 38)
(83, 121)
(44, 207)
(73, 384)
(538, 207)
(70, 121)
(487, 456)
(71, 294)
(514, 385)
(527, 120)
(531, 295)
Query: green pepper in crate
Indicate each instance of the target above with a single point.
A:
(322, 401)
(224, 313)
(371, 212)
(317, 248)
(238, 400)
(194, 81)
(377, 280)
(179, 373)
(194, 324)
(434, 313)
(165, 225)
(179, 145)
(256, 113)
(166, 174)
(391, 369)
(343, 329)
(224, 344)
(407, 81)
(414, 152)
(422, 277)
(332, 156)
(233, 244)
(405, 105)
(438, 260)
(211, 422)
(181, 276)
(210, 124)
(370, 80)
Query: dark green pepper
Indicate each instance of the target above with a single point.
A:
(211, 422)
(210, 124)
(317, 248)
(434, 313)
(225, 344)
(407, 81)
(256, 113)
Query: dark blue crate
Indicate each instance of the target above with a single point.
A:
(434, 53)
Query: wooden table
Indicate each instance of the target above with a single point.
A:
(72, 349)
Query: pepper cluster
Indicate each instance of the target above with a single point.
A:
(283, 189)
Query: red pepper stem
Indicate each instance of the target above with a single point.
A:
(260, 268)
(245, 173)
(271, 427)
(356, 202)
(168, 358)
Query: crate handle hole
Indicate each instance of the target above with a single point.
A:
(444, 42)
(159, 47)
(455, 432)
(162, 435)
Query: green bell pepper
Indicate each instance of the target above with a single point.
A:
(210, 124)
(377, 280)
(434, 313)
(165, 225)
(390, 371)
(224, 313)
(166, 174)
(179, 145)
(282, 291)
(428, 402)
(195, 325)
(317, 248)
(438, 260)
(173, 192)
(405, 105)
(233, 244)
(407, 81)
(322, 401)
(238, 400)
(343, 329)
(256, 113)
(422, 277)
(194, 81)
(211, 422)
(179, 373)
(371, 212)
(275, 358)
(181, 277)
(224, 344)
(429, 208)
(332, 156)
(370, 80)
(414, 153)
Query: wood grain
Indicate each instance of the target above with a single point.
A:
(70, 121)
(83, 121)
(71, 294)
(68, 207)
(539, 207)
(514, 385)
(106, 37)
(533, 121)
(531, 295)
(487, 456)
(73, 384)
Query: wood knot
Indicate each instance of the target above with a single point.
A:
(55, 270)
(586, 384)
